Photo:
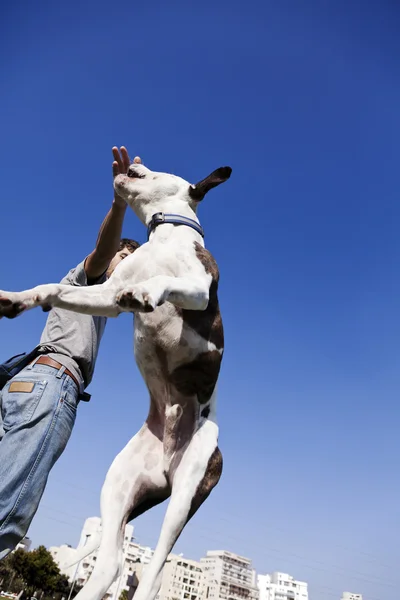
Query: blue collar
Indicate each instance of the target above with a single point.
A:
(160, 218)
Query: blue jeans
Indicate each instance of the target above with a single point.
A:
(38, 411)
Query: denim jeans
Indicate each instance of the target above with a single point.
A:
(38, 411)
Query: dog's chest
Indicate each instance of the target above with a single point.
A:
(151, 260)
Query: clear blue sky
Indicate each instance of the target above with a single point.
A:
(302, 100)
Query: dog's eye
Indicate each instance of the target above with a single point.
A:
(134, 174)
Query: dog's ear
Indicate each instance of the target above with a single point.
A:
(198, 191)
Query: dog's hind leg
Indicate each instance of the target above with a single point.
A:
(196, 475)
(135, 482)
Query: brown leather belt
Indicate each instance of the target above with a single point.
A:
(46, 360)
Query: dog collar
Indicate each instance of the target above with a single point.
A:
(160, 218)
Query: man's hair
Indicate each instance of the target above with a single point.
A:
(132, 245)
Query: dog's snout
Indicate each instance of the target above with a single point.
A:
(130, 171)
(134, 172)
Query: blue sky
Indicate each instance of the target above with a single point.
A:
(302, 100)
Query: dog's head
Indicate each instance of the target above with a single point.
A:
(148, 192)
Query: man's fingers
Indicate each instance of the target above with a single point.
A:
(115, 168)
(125, 158)
(118, 160)
(122, 161)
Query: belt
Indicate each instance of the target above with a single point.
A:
(46, 360)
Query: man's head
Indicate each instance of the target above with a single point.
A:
(148, 192)
(126, 247)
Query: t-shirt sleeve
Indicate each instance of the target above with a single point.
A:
(78, 277)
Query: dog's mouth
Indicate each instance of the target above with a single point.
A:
(135, 175)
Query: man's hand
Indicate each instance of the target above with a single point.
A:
(120, 166)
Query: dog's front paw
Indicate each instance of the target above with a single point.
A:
(10, 305)
(139, 299)
(13, 304)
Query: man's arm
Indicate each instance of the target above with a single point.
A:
(109, 237)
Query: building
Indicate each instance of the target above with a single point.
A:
(228, 576)
(24, 544)
(64, 554)
(281, 586)
(351, 596)
(133, 554)
(182, 579)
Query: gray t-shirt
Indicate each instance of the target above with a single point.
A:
(76, 337)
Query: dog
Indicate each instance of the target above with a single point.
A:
(171, 284)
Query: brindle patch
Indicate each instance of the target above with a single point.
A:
(147, 495)
(198, 377)
(147, 503)
(207, 323)
(207, 260)
(209, 481)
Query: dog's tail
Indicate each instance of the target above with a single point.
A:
(80, 553)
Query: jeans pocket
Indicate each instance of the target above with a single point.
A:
(20, 399)
(70, 399)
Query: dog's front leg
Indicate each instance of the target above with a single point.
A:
(96, 300)
(191, 293)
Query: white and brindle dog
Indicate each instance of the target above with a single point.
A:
(170, 283)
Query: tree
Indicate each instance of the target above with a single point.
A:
(17, 563)
(35, 571)
(123, 595)
(39, 571)
(5, 568)
(9, 580)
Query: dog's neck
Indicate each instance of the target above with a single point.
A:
(167, 231)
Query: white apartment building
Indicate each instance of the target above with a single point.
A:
(62, 554)
(351, 596)
(281, 586)
(132, 554)
(228, 576)
(182, 579)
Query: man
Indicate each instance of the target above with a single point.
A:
(38, 406)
